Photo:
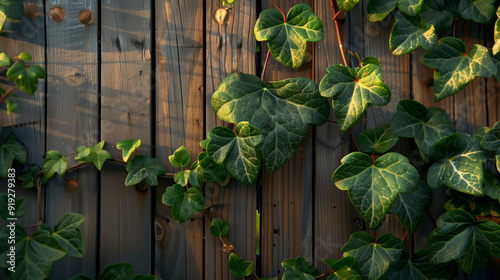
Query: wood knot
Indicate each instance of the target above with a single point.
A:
(57, 14)
(85, 17)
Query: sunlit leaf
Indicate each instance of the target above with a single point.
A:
(128, 146)
(347, 5)
(409, 33)
(144, 167)
(26, 77)
(54, 163)
(378, 9)
(180, 158)
(94, 154)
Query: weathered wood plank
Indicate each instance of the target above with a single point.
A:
(287, 194)
(28, 125)
(230, 48)
(72, 121)
(179, 121)
(335, 217)
(126, 222)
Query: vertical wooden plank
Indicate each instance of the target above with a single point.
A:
(287, 194)
(28, 125)
(230, 48)
(179, 107)
(126, 225)
(72, 121)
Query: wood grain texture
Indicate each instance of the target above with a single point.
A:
(230, 48)
(72, 121)
(28, 125)
(126, 221)
(335, 218)
(179, 121)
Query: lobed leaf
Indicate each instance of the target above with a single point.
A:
(491, 140)
(180, 158)
(219, 228)
(20, 207)
(12, 8)
(342, 269)
(439, 14)
(184, 204)
(239, 267)
(10, 149)
(26, 77)
(29, 177)
(417, 267)
(409, 33)
(378, 140)
(122, 271)
(4, 59)
(482, 11)
(144, 167)
(69, 235)
(410, 207)
(379, 9)
(54, 163)
(128, 146)
(347, 5)
(496, 35)
(298, 269)
(94, 154)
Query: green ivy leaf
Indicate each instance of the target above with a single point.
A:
(34, 254)
(425, 125)
(144, 167)
(4, 59)
(370, 60)
(347, 5)
(29, 177)
(54, 163)
(238, 152)
(458, 164)
(196, 179)
(184, 203)
(239, 267)
(20, 206)
(298, 269)
(378, 9)
(455, 67)
(461, 238)
(409, 33)
(122, 271)
(26, 78)
(180, 158)
(204, 143)
(128, 147)
(438, 13)
(219, 228)
(182, 177)
(374, 185)
(410, 207)
(12, 8)
(69, 235)
(482, 11)
(287, 41)
(24, 56)
(227, 2)
(282, 110)
(94, 154)
(12, 106)
(353, 91)
(341, 269)
(491, 140)
(417, 267)
(15, 148)
(480, 132)
(79, 277)
(497, 157)
(496, 35)
(372, 258)
(210, 170)
(491, 184)
(378, 140)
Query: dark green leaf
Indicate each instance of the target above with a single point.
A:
(15, 148)
(210, 170)
(79, 277)
(34, 254)
(438, 13)
(342, 269)
(29, 177)
(373, 185)
(378, 140)
(458, 164)
(24, 56)
(347, 5)
(298, 269)
(425, 125)
(496, 60)
(94, 154)
(238, 267)
(184, 203)
(409, 33)
(410, 207)
(287, 41)
(417, 267)
(370, 60)
(4, 59)
(128, 147)
(480, 132)
(12, 8)
(282, 110)
(144, 167)
(12, 106)
(491, 140)
(378, 9)
(6, 160)
(238, 152)
(180, 158)
(196, 179)
(69, 235)
(461, 238)
(26, 78)
(372, 258)
(122, 271)
(204, 144)
(455, 67)
(353, 91)
(19, 206)
(491, 184)
(54, 163)
(482, 11)
(219, 228)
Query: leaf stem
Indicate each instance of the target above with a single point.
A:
(291, 4)
(338, 32)
(354, 140)
(332, 121)
(265, 65)
(466, 34)
(324, 274)
(4, 97)
(281, 11)
(404, 236)
(374, 236)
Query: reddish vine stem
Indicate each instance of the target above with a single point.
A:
(4, 97)
(281, 11)
(454, 27)
(338, 32)
(374, 236)
(265, 65)
(466, 33)
(332, 121)
(291, 4)
(404, 236)
(354, 140)
(227, 245)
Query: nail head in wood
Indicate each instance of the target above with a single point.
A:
(57, 14)
(31, 10)
(85, 17)
(71, 186)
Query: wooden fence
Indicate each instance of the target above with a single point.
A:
(147, 69)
